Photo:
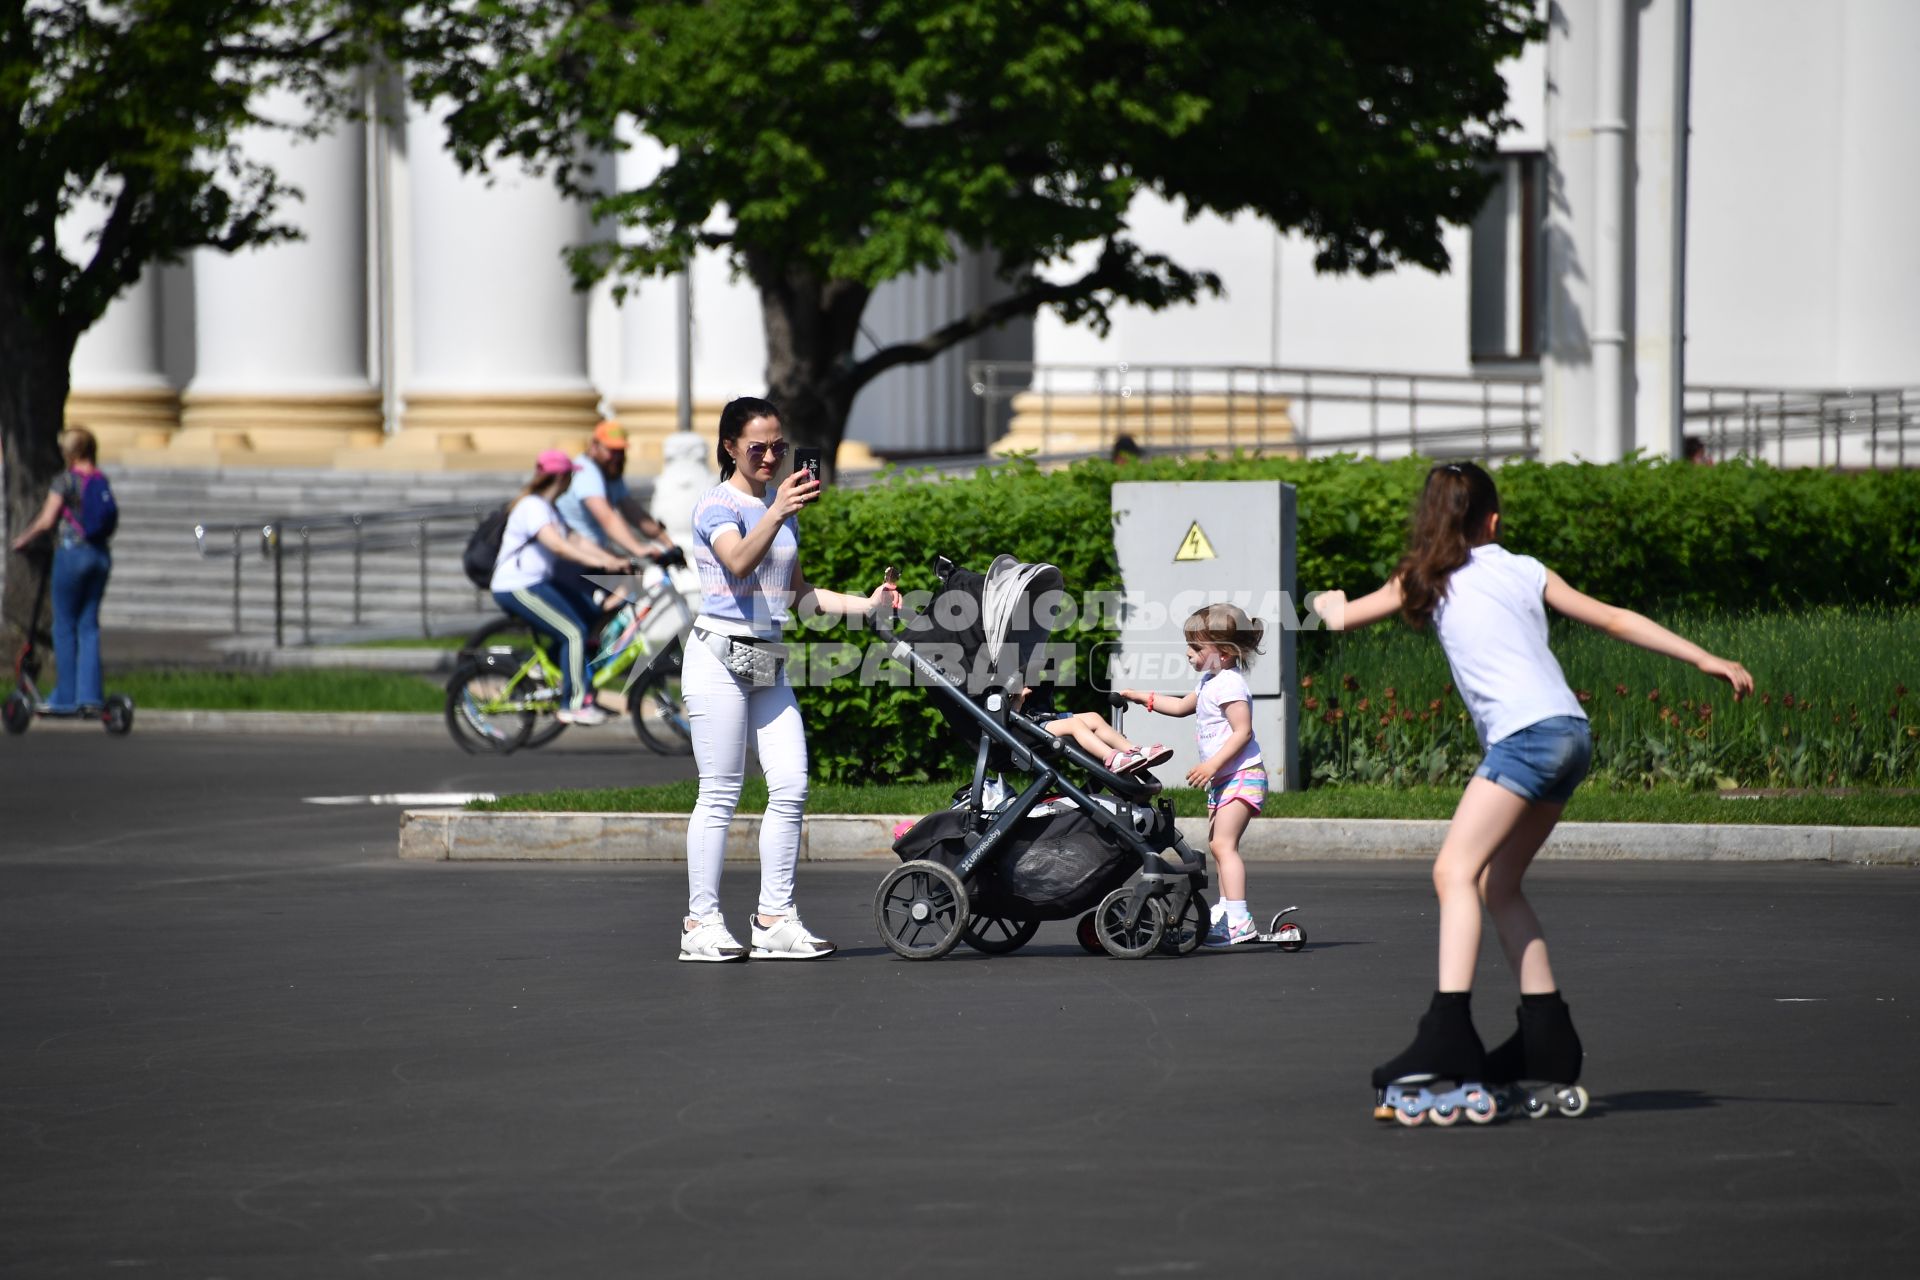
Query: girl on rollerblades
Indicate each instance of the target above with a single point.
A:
(1488, 608)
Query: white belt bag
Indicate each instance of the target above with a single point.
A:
(755, 661)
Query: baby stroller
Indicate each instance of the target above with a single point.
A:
(1077, 839)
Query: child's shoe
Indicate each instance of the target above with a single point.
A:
(1231, 933)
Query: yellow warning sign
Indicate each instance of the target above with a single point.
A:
(1195, 545)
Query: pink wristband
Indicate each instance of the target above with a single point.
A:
(1149, 702)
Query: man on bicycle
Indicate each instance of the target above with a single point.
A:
(591, 505)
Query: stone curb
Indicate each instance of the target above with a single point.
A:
(456, 835)
(383, 724)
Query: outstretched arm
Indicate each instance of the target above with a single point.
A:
(1342, 614)
(1637, 629)
(1166, 704)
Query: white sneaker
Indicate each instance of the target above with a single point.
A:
(787, 939)
(588, 715)
(709, 941)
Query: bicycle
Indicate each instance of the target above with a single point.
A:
(506, 683)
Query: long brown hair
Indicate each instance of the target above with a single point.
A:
(1227, 628)
(1452, 511)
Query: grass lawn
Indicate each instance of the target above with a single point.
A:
(320, 690)
(1859, 809)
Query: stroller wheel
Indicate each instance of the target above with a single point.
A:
(1185, 935)
(1089, 935)
(920, 910)
(1129, 942)
(996, 936)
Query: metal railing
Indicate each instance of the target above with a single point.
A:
(1863, 427)
(415, 532)
(1192, 408)
(1258, 408)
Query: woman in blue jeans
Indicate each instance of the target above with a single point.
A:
(81, 567)
(1488, 608)
(535, 541)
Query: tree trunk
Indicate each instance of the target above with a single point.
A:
(810, 326)
(34, 379)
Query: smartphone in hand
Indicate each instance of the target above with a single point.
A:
(808, 459)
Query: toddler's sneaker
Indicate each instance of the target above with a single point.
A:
(787, 939)
(1229, 933)
(587, 715)
(709, 941)
(1154, 756)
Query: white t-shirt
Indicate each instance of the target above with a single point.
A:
(1492, 622)
(1216, 690)
(523, 561)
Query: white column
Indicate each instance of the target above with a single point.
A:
(1612, 258)
(120, 390)
(1566, 364)
(1878, 252)
(280, 332)
(1657, 358)
(498, 359)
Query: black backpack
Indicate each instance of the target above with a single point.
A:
(483, 548)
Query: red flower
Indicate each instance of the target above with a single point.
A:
(1585, 695)
(1653, 695)
(1350, 684)
(1621, 690)
(1363, 705)
(1434, 705)
(1386, 719)
(1787, 702)
(1407, 716)
(1391, 691)
(1306, 682)
(1446, 690)
(1313, 704)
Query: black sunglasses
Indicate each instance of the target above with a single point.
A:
(757, 450)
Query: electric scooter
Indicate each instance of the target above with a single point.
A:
(23, 704)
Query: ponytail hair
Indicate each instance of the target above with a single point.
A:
(733, 420)
(1227, 627)
(1453, 510)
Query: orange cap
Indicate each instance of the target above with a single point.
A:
(611, 434)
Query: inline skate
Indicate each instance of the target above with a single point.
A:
(1543, 1048)
(1445, 1048)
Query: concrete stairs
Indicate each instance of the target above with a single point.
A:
(162, 582)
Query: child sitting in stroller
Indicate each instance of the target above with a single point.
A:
(1098, 738)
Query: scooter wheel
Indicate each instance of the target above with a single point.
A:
(16, 713)
(117, 714)
(1089, 936)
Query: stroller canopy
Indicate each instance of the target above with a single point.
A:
(983, 629)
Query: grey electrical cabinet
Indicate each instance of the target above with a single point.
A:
(1184, 545)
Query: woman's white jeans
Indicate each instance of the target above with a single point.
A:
(724, 712)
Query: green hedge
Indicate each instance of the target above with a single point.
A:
(1659, 537)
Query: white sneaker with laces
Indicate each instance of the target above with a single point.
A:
(587, 715)
(709, 941)
(787, 939)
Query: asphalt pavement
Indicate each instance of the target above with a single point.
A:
(239, 1037)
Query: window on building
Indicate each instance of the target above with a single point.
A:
(1505, 302)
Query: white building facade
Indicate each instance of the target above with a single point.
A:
(1707, 192)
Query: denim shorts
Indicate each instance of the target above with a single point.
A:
(1542, 762)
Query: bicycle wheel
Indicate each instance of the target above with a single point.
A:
(509, 632)
(483, 714)
(659, 711)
